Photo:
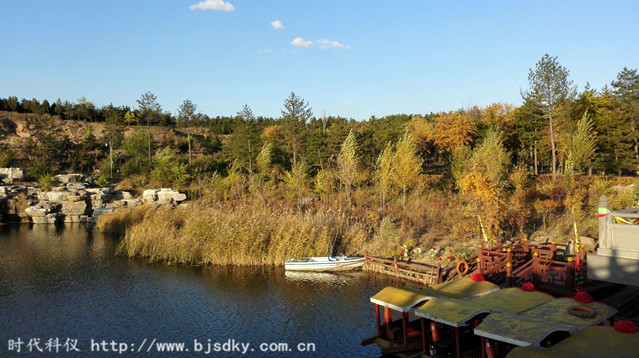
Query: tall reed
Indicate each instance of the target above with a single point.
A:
(240, 235)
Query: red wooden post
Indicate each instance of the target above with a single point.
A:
(483, 347)
(405, 327)
(379, 326)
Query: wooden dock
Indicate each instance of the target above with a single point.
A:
(546, 265)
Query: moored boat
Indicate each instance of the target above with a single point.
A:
(324, 263)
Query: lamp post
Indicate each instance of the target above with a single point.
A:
(110, 145)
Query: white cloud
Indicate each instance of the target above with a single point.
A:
(213, 5)
(277, 24)
(299, 42)
(326, 44)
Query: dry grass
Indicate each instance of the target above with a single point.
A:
(119, 221)
(240, 235)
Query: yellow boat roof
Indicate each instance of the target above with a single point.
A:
(450, 311)
(532, 326)
(518, 330)
(457, 313)
(596, 340)
(513, 300)
(557, 310)
(403, 299)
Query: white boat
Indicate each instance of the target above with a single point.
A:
(324, 263)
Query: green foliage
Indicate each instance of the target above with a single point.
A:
(46, 182)
(169, 168)
(7, 157)
(295, 115)
(296, 180)
(491, 159)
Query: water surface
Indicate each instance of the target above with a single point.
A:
(66, 283)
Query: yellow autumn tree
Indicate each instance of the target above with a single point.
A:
(451, 131)
(406, 166)
(484, 181)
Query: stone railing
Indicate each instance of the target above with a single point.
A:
(617, 258)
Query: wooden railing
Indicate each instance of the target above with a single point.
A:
(507, 266)
(423, 273)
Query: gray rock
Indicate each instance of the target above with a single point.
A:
(73, 178)
(121, 194)
(51, 218)
(74, 207)
(10, 175)
(76, 186)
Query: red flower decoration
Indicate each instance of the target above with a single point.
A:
(450, 251)
(528, 287)
(477, 277)
(625, 327)
(583, 297)
(578, 288)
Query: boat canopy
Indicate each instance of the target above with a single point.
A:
(450, 311)
(558, 310)
(513, 300)
(458, 313)
(403, 299)
(594, 340)
(527, 328)
(518, 330)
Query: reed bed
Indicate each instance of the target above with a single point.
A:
(240, 235)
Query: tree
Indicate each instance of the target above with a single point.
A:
(626, 89)
(294, 117)
(451, 131)
(296, 179)
(245, 140)
(407, 166)
(582, 143)
(151, 110)
(383, 174)
(550, 87)
(348, 164)
(186, 114)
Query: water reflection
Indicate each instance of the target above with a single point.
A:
(66, 282)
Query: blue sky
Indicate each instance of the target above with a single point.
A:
(349, 58)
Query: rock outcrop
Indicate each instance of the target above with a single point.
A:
(74, 200)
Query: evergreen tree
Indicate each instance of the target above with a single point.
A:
(295, 115)
(550, 87)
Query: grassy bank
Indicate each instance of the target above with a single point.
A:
(242, 235)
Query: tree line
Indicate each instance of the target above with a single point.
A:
(556, 127)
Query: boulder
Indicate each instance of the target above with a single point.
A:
(10, 175)
(73, 178)
(51, 218)
(76, 186)
(42, 209)
(74, 207)
(122, 194)
(150, 195)
(131, 203)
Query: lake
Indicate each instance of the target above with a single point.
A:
(63, 289)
